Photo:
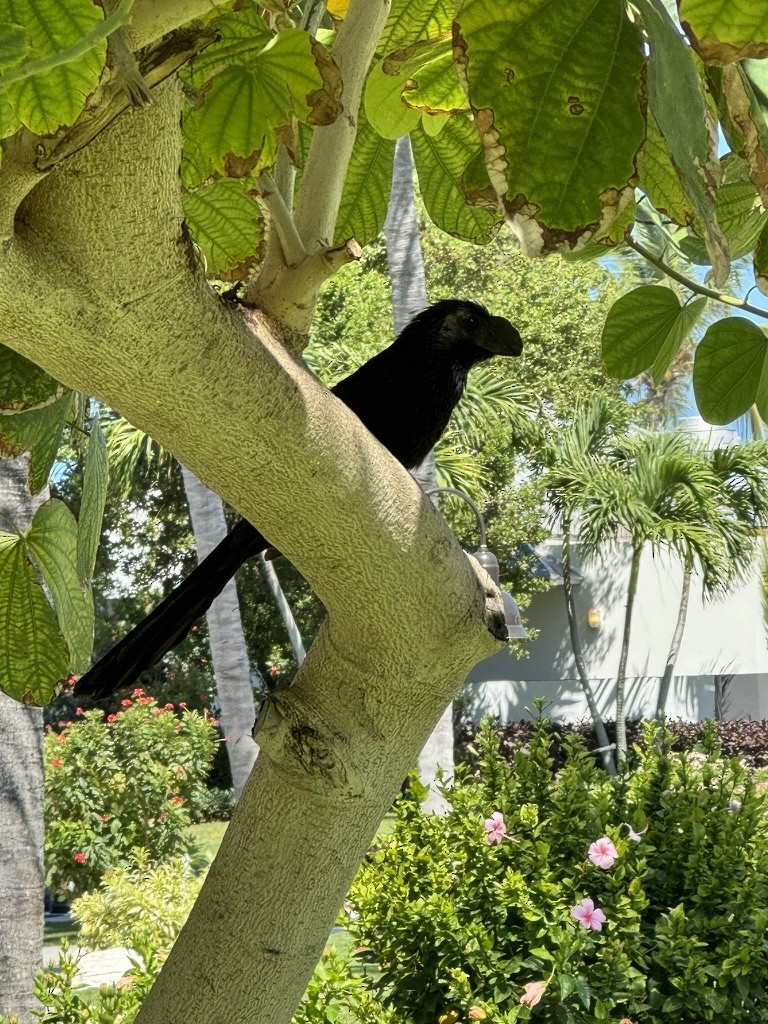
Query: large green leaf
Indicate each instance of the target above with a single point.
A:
(557, 92)
(227, 224)
(726, 32)
(383, 102)
(677, 101)
(410, 21)
(245, 102)
(33, 653)
(645, 328)
(730, 371)
(741, 94)
(433, 84)
(95, 483)
(55, 96)
(363, 206)
(52, 540)
(14, 46)
(23, 385)
(740, 215)
(38, 432)
(659, 178)
(441, 162)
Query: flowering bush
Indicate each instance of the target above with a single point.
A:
(120, 783)
(563, 895)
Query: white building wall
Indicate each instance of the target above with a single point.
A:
(725, 638)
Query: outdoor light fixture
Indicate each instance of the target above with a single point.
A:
(594, 618)
(515, 628)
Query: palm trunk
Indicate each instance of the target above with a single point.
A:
(21, 807)
(409, 296)
(229, 654)
(286, 614)
(621, 677)
(674, 647)
(578, 654)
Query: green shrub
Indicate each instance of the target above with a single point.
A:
(463, 926)
(337, 994)
(119, 783)
(140, 906)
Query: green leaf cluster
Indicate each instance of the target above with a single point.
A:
(45, 587)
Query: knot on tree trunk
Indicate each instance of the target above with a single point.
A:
(304, 748)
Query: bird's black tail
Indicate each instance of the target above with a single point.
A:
(168, 624)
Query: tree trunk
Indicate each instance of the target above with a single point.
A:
(286, 614)
(409, 296)
(606, 752)
(103, 263)
(621, 677)
(674, 647)
(21, 804)
(229, 654)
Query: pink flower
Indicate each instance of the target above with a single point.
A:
(534, 990)
(79, 858)
(138, 692)
(603, 853)
(126, 703)
(111, 719)
(495, 828)
(78, 711)
(588, 915)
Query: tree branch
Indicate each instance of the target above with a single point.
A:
(317, 203)
(691, 285)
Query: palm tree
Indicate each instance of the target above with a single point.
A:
(738, 513)
(572, 454)
(658, 490)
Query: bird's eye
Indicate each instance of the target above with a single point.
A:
(471, 321)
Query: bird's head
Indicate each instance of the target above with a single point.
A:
(469, 330)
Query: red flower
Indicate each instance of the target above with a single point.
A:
(168, 707)
(178, 800)
(57, 762)
(138, 692)
(111, 719)
(127, 702)
(78, 711)
(61, 738)
(146, 700)
(79, 858)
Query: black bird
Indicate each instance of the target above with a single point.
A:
(404, 395)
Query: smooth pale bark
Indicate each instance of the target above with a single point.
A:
(229, 654)
(21, 803)
(606, 753)
(409, 296)
(621, 675)
(674, 647)
(286, 613)
(99, 286)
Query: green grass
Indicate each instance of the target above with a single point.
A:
(54, 931)
(208, 836)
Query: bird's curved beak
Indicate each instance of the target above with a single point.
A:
(500, 337)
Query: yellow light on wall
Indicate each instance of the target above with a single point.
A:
(594, 618)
